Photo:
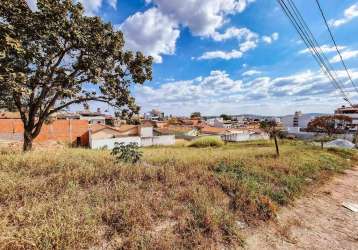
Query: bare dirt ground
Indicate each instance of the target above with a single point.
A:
(318, 221)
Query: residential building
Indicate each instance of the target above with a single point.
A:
(352, 112)
(154, 115)
(298, 120)
(93, 117)
(245, 135)
(103, 136)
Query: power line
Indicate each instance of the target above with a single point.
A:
(335, 44)
(313, 41)
(315, 46)
(306, 35)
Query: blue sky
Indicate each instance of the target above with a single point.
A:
(234, 56)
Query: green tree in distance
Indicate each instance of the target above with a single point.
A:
(327, 124)
(226, 117)
(195, 115)
(50, 56)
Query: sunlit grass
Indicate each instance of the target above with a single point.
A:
(177, 197)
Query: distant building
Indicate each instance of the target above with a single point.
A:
(105, 136)
(154, 115)
(219, 123)
(298, 120)
(352, 112)
(93, 117)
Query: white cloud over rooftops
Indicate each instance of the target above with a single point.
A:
(219, 89)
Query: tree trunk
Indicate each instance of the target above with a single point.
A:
(321, 144)
(27, 146)
(276, 145)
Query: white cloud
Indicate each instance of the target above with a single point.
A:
(113, 3)
(270, 39)
(347, 54)
(349, 15)
(247, 39)
(226, 55)
(325, 48)
(202, 17)
(91, 6)
(237, 33)
(275, 36)
(216, 84)
(151, 32)
(219, 93)
(251, 72)
(32, 4)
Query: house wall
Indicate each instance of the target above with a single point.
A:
(146, 132)
(237, 137)
(94, 119)
(105, 134)
(110, 143)
(143, 142)
(58, 130)
(164, 140)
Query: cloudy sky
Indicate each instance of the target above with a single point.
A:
(234, 56)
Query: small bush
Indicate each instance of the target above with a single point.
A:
(208, 141)
(127, 153)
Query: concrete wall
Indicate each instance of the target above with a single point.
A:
(293, 129)
(146, 131)
(237, 137)
(110, 143)
(164, 140)
(143, 142)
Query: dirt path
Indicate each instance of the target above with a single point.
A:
(315, 222)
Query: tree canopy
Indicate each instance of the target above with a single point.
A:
(327, 123)
(56, 56)
(195, 115)
(226, 117)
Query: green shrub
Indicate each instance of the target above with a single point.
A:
(127, 153)
(208, 141)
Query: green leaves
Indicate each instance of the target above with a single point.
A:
(55, 51)
(127, 153)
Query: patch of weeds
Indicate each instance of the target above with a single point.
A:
(345, 153)
(127, 153)
(207, 141)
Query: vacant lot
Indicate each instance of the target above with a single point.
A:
(177, 196)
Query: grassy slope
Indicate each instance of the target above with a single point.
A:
(187, 197)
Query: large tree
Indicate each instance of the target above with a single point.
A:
(50, 57)
(327, 123)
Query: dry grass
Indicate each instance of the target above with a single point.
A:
(179, 197)
(207, 141)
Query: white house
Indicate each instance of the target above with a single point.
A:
(102, 136)
(239, 136)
